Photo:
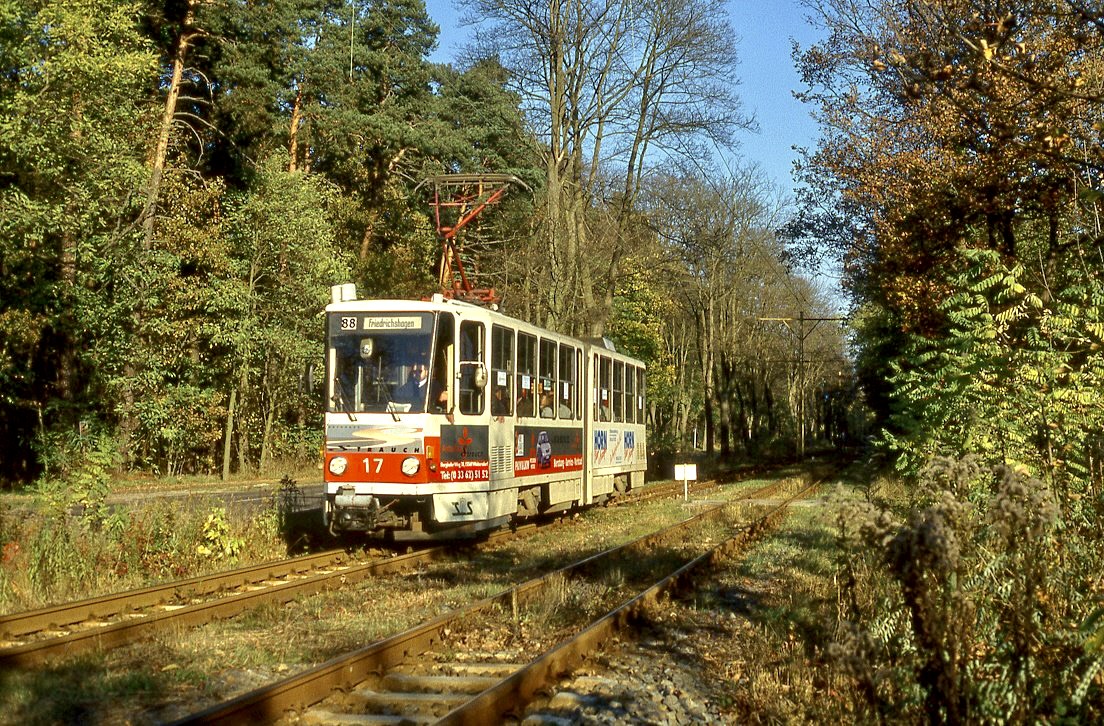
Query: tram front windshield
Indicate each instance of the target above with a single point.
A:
(380, 362)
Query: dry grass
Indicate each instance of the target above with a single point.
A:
(774, 608)
(804, 630)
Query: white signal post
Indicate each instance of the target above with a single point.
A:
(688, 473)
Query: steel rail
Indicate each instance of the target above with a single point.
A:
(14, 626)
(145, 624)
(518, 689)
(59, 616)
(267, 704)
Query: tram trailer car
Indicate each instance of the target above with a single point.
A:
(446, 419)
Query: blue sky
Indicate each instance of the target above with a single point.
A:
(766, 72)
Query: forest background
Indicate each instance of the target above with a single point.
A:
(183, 181)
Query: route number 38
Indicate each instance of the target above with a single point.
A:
(348, 323)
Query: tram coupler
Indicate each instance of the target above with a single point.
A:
(352, 511)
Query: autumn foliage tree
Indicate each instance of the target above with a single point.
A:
(612, 90)
(955, 126)
(739, 367)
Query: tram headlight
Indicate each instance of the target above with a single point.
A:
(338, 465)
(411, 465)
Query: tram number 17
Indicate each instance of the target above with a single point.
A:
(373, 465)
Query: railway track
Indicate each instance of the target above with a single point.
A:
(405, 679)
(33, 637)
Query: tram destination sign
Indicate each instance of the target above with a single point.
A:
(379, 323)
(393, 322)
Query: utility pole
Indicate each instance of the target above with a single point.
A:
(801, 334)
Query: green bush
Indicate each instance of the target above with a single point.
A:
(1015, 378)
(77, 468)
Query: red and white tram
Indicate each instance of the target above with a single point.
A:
(447, 418)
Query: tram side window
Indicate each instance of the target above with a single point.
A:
(594, 388)
(502, 367)
(641, 387)
(630, 399)
(526, 374)
(618, 391)
(546, 389)
(565, 391)
(602, 388)
(471, 361)
(579, 412)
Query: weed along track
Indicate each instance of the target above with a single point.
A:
(110, 621)
(485, 661)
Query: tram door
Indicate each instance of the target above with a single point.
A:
(472, 371)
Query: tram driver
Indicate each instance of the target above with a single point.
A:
(416, 388)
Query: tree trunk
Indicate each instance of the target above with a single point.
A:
(366, 239)
(270, 415)
(681, 416)
(706, 350)
(266, 438)
(227, 437)
(293, 131)
(558, 246)
(243, 433)
(157, 159)
(723, 387)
